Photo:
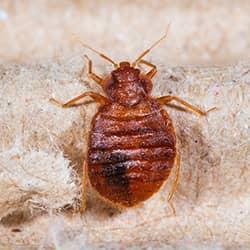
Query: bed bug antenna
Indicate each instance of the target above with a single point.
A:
(151, 47)
(97, 52)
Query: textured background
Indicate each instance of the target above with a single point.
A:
(42, 147)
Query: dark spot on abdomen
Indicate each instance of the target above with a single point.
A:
(115, 170)
(117, 157)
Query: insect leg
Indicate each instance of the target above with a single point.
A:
(153, 71)
(166, 99)
(175, 183)
(75, 101)
(84, 188)
(92, 75)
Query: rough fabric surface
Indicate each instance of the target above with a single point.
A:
(42, 146)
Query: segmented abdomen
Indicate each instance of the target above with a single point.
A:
(131, 152)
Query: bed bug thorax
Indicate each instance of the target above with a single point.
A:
(132, 143)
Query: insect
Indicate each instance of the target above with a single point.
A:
(132, 143)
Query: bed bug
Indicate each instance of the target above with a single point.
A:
(132, 143)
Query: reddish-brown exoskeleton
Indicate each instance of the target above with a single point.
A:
(132, 143)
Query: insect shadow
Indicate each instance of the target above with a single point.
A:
(199, 161)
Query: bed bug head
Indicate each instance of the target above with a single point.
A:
(125, 73)
(125, 85)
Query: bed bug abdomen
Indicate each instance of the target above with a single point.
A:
(131, 151)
